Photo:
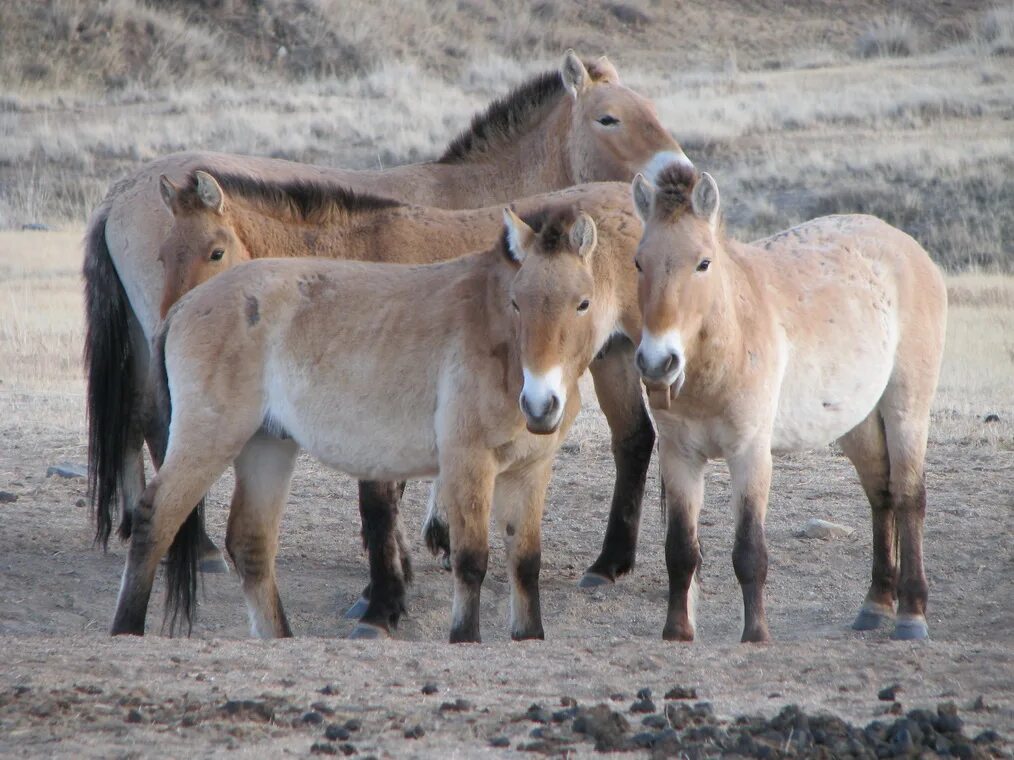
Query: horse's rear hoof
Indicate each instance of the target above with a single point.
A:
(369, 631)
(214, 564)
(594, 580)
(358, 609)
(870, 620)
(910, 630)
(437, 536)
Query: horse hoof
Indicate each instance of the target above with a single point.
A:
(358, 609)
(369, 631)
(593, 580)
(910, 630)
(214, 564)
(870, 620)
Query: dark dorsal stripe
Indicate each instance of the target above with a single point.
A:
(306, 200)
(505, 117)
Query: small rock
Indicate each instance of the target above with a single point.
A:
(815, 528)
(313, 718)
(645, 739)
(430, 688)
(538, 714)
(416, 732)
(348, 749)
(979, 705)
(335, 733)
(458, 705)
(80, 503)
(988, 736)
(644, 693)
(6, 497)
(67, 470)
(353, 724)
(643, 705)
(568, 702)
(323, 748)
(655, 721)
(329, 690)
(323, 708)
(681, 692)
(890, 693)
(499, 741)
(991, 418)
(134, 716)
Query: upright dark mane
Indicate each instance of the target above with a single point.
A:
(674, 185)
(303, 199)
(551, 225)
(505, 117)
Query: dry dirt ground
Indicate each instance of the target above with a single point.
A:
(67, 689)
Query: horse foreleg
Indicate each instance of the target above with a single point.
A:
(263, 473)
(751, 482)
(683, 475)
(519, 498)
(466, 488)
(383, 600)
(618, 388)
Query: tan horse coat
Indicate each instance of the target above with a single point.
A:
(832, 330)
(383, 372)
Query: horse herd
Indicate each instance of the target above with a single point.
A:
(240, 309)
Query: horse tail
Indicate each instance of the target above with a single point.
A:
(184, 552)
(110, 368)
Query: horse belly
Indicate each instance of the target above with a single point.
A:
(826, 393)
(361, 431)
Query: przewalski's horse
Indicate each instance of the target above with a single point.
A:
(577, 124)
(474, 383)
(218, 223)
(833, 330)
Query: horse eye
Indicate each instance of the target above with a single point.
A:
(217, 254)
(608, 120)
(514, 305)
(583, 306)
(703, 266)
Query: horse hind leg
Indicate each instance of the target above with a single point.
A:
(866, 447)
(383, 601)
(263, 473)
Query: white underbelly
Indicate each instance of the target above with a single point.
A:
(819, 404)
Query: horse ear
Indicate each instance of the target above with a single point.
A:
(169, 192)
(704, 198)
(575, 75)
(583, 235)
(644, 196)
(210, 192)
(604, 71)
(517, 235)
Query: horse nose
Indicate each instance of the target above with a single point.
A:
(670, 365)
(548, 409)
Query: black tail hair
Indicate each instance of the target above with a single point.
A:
(184, 553)
(109, 362)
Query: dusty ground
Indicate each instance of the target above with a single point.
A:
(66, 688)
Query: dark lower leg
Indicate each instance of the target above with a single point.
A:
(632, 456)
(139, 573)
(526, 612)
(750, 561)
(378, 506)
(682, 558)
(469, 566)
(883, 585)
(913, 590)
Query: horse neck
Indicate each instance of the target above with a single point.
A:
(266, 233)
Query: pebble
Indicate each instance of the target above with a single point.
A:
(890, 693)
(353, 724)
(499, 741)
(322, 707)
(334, 732)
(80, 503)
(134, 716)
(642, 706)
(815, 528)
(6, 497)
(323, 748)
(416, 732)
(538, 714)
(458, 705)
(313, 718)
(991, 418)
(644, 693)
(655, 721)
(67, 470)
(430, 688)
(681, 692)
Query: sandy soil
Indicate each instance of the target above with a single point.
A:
(66, 688)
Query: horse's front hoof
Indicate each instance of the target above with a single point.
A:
(910, 630)
(358, 609)
(369, 631)
(214, 563)
(594, 580)
(870, 619)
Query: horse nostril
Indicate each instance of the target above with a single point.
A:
(554, 405)
(672, 364)
(642, 365)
